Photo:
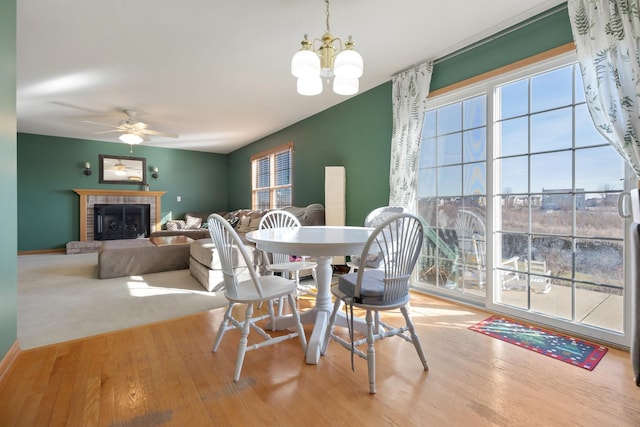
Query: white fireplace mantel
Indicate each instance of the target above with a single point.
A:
(90, 197)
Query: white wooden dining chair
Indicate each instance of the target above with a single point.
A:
(283, 263)
(250, 292)
(399, 239)
(372, 219)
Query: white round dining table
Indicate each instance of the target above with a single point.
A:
(323, 243)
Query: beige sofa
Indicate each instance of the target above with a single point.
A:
(204, 263)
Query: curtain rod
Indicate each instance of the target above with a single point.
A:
(502, 33)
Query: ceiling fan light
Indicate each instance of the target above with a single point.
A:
(343, 86)
(130, 138)
(348, 65)
(309, 86)
(305, 63)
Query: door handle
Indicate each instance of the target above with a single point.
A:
(624, 205)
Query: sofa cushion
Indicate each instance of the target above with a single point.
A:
(204, 251)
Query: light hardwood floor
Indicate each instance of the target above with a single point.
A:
(165, 374)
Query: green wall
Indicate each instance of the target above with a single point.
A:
(546, 31)
(357, 133)
(9, 212)
(352, 134)
(49, 168)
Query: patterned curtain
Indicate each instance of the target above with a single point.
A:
(607, 38)
(409, 93)
(606, 33)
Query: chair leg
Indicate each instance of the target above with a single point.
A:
(272, 315)
(222, 328)
(242, 347)
(414, 337)
(371, 353)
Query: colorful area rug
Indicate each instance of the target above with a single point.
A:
(562, 347)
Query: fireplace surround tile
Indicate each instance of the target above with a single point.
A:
(90, 197)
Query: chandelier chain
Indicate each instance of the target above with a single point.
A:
(328, 29)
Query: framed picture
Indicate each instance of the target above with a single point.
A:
(122, 170)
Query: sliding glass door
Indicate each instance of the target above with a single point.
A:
(520, 192)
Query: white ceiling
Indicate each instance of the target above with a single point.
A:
(218, 72)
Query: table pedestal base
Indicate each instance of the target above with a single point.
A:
(319, 314)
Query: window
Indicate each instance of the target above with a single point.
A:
(271, 178)
(520, 193)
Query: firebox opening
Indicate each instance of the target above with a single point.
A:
(121, 221)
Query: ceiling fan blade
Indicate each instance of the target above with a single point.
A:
(158, 133)
(101, 124)
(107, 131)
(77, 107)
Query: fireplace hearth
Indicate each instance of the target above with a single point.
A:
(120, 221)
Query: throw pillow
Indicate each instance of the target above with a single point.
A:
(233, 221)
(243, 226)
(174, 225)
(192, 222)
(254, 223)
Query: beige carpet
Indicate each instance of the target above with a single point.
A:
(60, 298)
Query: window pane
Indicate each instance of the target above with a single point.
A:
(551, 130)
(450, 149)
(600, 261)
(429, 124)
(552, 89)
(450, 181)
(474, 145)
(428, 153)
(599, 169)
(426, 183)
(262, 172)
(551, 171)
(474, 179)
(513, 99)
(579, 90)
(450, 119)
(475, 112)
(599, 217)
(586, 132)
(262, 199)
(282, 168)
(514, 175)
(555, 216)
(514, 136)
(515, 215)
(283, 197)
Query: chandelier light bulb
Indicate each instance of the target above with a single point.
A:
(348, 65)
(309, 86)
(305, 63)
(343, 86)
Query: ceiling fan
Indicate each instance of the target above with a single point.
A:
(132, 132)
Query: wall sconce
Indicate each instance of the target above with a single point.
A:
(87, 169)
(154, 175)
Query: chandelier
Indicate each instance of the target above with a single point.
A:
(329, 60)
